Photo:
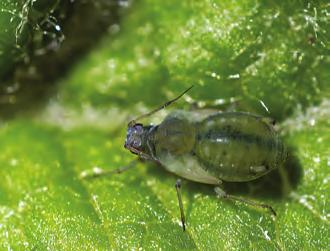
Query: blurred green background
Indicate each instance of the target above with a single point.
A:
(72, 74)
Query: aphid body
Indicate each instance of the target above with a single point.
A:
(209, 148)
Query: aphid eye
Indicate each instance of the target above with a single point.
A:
(138, 128)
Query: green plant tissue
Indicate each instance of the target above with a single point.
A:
(273, 57)
(19, 22)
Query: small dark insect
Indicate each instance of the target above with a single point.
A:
(206, 147)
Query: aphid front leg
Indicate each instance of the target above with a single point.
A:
(222, 194)
(178, 192)
(98, 172)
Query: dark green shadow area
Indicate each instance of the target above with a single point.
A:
(59, 42)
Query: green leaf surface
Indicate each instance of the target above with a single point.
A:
(263, 54)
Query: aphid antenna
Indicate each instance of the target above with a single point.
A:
(133, 122)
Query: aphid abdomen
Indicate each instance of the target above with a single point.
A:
(237, 146)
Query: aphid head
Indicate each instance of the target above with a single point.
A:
(136, 133)
(134, 138)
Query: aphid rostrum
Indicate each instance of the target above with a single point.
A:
(207, 147)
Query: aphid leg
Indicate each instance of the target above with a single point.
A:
(98, 172)
(218, 104)
(178, 192)
(222, 194)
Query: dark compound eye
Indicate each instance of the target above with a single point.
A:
(138, 128)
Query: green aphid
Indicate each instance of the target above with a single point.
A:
(207, 147)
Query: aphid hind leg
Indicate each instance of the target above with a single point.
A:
(178, 192)
(222, 194)
(98, 172)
